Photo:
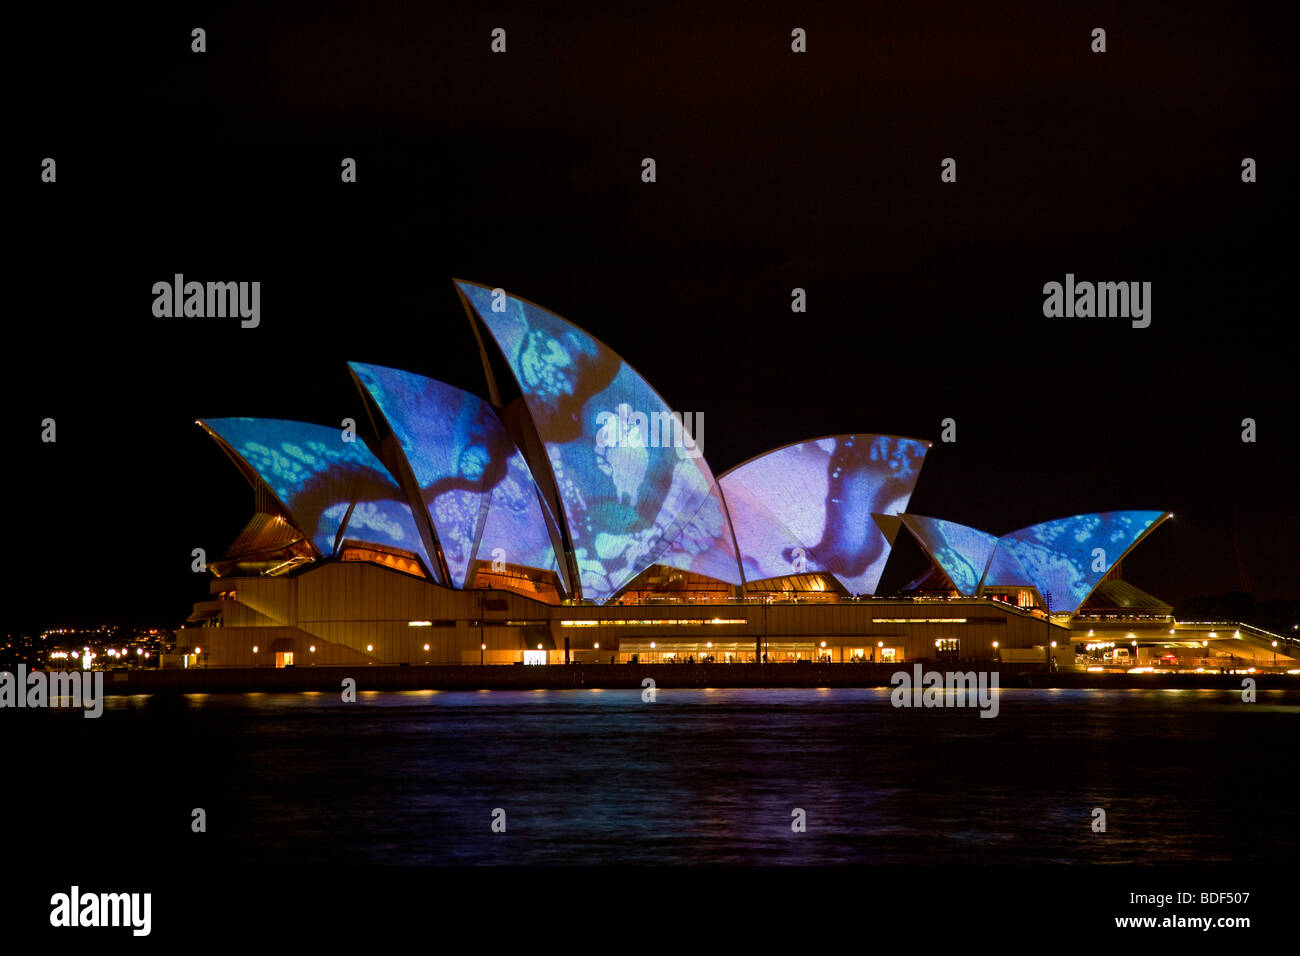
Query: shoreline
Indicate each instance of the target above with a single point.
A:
(238, 680)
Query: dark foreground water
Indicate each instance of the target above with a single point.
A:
(597, 777)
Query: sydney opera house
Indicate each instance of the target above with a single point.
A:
(572, 517)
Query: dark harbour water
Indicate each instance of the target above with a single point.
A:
(699, 776)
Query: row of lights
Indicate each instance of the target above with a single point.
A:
(87, 652)
(596, 646)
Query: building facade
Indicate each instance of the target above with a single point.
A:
(571, 516)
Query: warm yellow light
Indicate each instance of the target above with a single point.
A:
(710, 644)
(597, 645)
(823, 644)
(995, 643)
(539, 647)
(370, 647)
(426, 647)
(313, 648)
(254, 648)
(880, 643)
(1053, 643)
(652, 645)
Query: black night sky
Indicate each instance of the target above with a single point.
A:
(775, 171)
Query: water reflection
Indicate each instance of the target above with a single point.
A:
(712, 776)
